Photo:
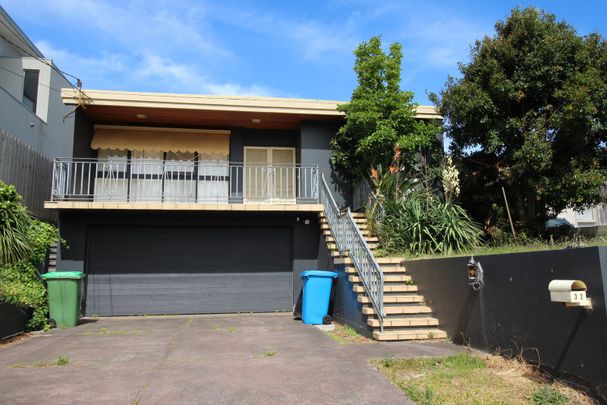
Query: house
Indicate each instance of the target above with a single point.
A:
(589, 221)
(33, 123)
(184, 203)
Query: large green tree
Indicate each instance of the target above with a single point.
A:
(529, 113)
(379, 115)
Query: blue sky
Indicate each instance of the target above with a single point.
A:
(273, 48)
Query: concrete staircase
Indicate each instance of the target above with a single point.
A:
(407, 315)
(52, 258)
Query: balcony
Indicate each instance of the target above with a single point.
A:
(121, 183)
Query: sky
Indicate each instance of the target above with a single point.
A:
(283, 48)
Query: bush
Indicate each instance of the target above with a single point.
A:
(19, 282)
(15, 221)
(421, 225)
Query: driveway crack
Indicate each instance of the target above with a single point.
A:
(170, 347)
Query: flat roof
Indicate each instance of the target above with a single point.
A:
(249, 104)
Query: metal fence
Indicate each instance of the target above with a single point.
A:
(150, 180)
(28, 170)
(350, 240)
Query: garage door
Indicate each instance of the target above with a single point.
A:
(188, 270)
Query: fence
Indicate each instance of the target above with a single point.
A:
(28, 170)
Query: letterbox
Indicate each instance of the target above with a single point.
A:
(570, 292)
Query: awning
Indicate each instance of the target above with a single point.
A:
(207, 141)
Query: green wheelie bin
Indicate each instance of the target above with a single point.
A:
(64, 296)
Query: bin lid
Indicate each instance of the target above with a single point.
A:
(318, 273)
(69, 275)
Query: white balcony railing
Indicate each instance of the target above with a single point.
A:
(140, 180)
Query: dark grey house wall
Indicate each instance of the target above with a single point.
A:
(513, 310)
(314, 148)
(242, 137)
(83, 135)
(74, 228)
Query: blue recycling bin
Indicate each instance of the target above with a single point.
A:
(316, 295)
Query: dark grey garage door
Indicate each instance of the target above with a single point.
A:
(188, 270)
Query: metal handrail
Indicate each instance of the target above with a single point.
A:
(349, 238)
(183, 181)
(377, 208)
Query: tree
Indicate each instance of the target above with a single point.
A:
(529, 113)
(379, 115)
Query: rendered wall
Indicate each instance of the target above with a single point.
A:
(314, 147)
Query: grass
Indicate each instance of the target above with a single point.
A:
(62, 361)
(466, 378)
(229, 328)
(269, 353)
(108, 332)
(345, 334)
(495, 250)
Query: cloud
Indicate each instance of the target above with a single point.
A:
(97, 69)
(311, 39)
(442, 41)
(182, 77)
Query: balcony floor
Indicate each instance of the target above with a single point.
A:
(155, 206)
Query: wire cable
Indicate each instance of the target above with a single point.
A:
(26, 51)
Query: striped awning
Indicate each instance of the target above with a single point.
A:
(161, 139)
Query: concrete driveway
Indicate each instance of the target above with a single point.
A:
(231, 359)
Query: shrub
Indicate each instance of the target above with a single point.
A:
(19, 282)
(422, 225)
(15, 221)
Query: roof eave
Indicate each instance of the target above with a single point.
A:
(217, 103)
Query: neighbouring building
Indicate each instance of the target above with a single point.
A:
(33, 123)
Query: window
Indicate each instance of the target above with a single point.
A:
(111, 183)
(30, 89)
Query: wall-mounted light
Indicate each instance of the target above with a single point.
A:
(475, 274)
(256, 120)
(141, 116)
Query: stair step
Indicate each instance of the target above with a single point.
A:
(356, 220)
(385, 270)
(409, 334)
(369, 239)
(365, 232)
(391, 278)
(333, 246)
(325, 226)
(388, 288)
(400, 309)
(394, 299)
(380, 260)
(392, 322)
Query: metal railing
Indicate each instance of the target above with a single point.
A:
(350, 240)
(376, 208)
(150, 180)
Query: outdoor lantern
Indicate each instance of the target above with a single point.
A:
(475, 274)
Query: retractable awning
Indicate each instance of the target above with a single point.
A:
(208, 141)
